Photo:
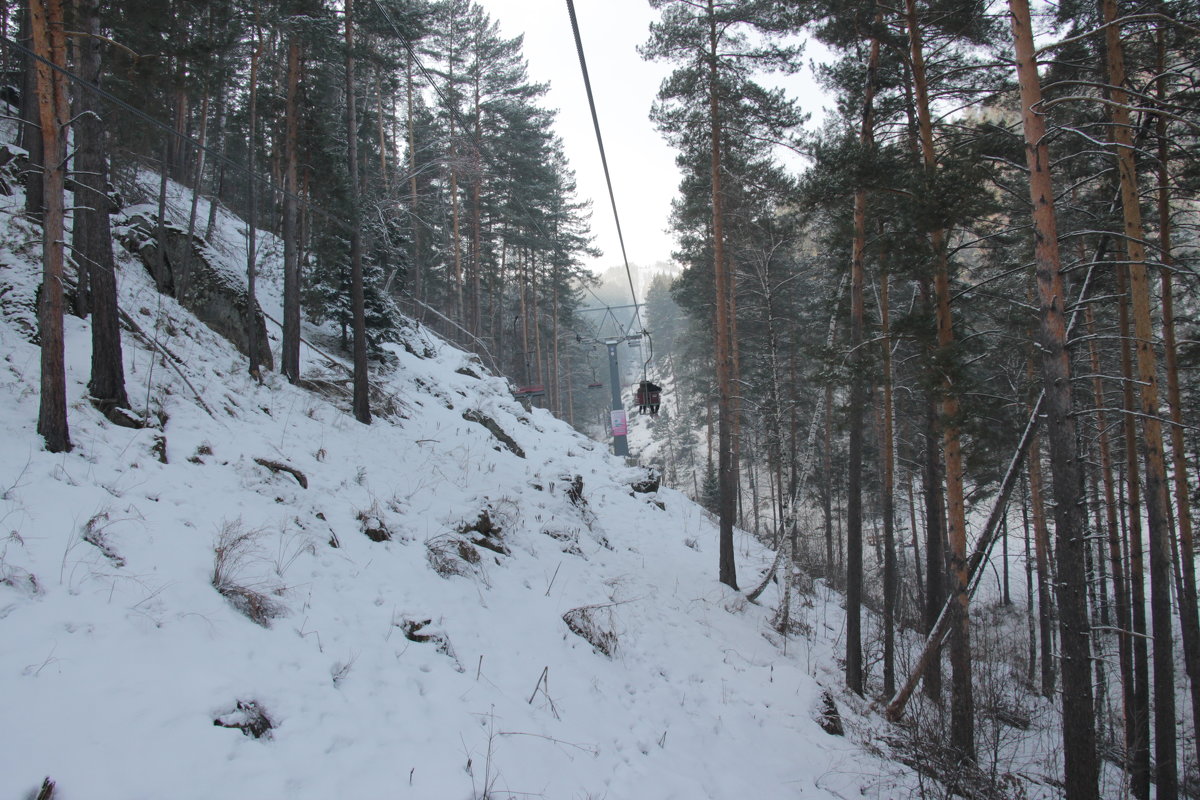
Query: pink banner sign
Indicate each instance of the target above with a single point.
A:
(620, 423)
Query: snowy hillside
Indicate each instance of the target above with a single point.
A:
(414, 586)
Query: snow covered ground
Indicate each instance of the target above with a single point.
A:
(434, 664)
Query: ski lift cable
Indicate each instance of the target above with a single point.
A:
(592, 292)
(587, 83)
(476, 140)
(483, 150)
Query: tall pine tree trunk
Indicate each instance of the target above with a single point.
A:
(1115, 553)
(1029, 602)
(252, 212)
(890, 582)
(1138, 732)
(49, 40)
(854, 524)
(1166, 777)
(290, 356)
(1188, 619)
(473, 311)
(31, 133)
(197, 182)
(726, 467)
(93, 241)
(418, 288)
(214, 202)
(935, 543)
(827, 469)
(455, 240)
(962, 713)
(1041, 549)
(1079, 727)
(361, 401)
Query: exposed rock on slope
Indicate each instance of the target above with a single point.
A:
(182, 270)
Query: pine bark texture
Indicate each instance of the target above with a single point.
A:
(855, 678)
(1138, 727)
(726, 467)
(290, 356)
(49, 40)
(1166, 770)
(890, 582)
(31, 126)
(252, 214)
(361, 401)
(93, 233)
(962, 711)
(1079, 727)
(1045, 578)
(1189, 620)
(1116, 554)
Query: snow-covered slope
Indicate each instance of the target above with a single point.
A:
(434, 664)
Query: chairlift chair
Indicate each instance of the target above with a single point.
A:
(530, 391)
(648, 397)
(595, 384)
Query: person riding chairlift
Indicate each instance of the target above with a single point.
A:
(649, 397)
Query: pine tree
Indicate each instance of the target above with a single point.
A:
(49, 40)
(92, 241)
(1079, 743)
(716, 58)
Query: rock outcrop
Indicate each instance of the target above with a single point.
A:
(184, 271)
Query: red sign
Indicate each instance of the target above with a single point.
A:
(620, 423)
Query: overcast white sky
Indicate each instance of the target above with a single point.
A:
(642, 166)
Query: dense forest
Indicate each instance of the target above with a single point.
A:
(968, 326)
(976, 307)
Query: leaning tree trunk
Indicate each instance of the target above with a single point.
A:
(942, 624)
(49, 40)
(1079, 726)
